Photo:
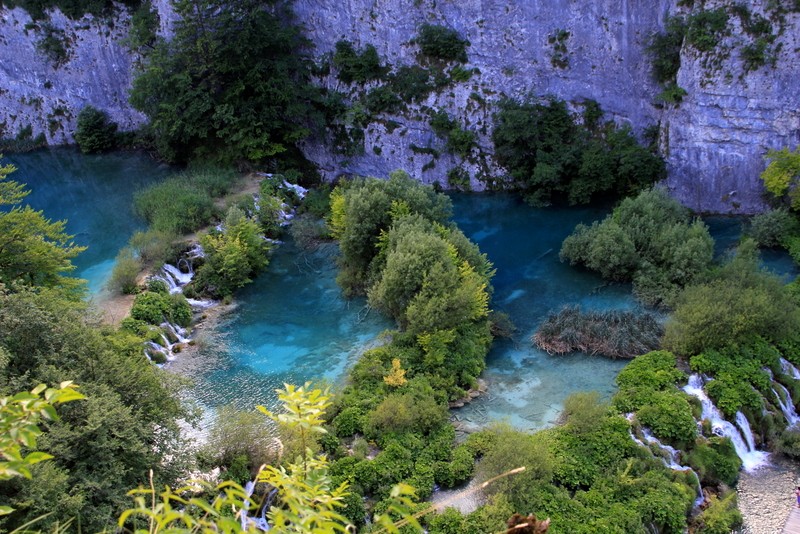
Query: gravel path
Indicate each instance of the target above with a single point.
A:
(766, 497)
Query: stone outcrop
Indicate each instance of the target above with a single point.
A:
(714, 141)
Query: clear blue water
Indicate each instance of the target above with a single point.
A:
(94, 193)
(292, 324)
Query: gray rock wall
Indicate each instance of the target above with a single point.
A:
(33, 91)
(714, 141)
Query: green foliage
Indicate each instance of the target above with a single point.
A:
(53, 44)
(153, 247)
(616, 334)
(95, 132)
(560, 56)
(459, 141)
(705, 28)
(33, 250)
(439, 42)
(649, 240)
(665, 50)
(739, 302)
(383, 99)
(357, 67)
(155, 308)
(233, 257)
(782, 173)
(411, 83)
(669, 415)
(552, 159)
(143, 31)
(739, 374)
(235, 434)
(20, 415)
(772, 228)
(205, 98)
(720, 515)
(655, 370)
(789, 443)
(715, 461)
(126, 270)
(183, 203)
(101, 446)
(672, 94)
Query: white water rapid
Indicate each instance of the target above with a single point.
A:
(790, 369)
(745, 446)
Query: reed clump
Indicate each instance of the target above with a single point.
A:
(615, 333)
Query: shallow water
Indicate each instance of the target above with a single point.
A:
(94, 193)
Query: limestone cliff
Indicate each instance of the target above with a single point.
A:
(714, 141)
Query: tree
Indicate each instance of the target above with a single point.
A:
(33, 250)
(232, 84)
(781, 175)
(96, 132)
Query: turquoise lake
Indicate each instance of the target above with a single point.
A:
(94, 193)
(292, 324)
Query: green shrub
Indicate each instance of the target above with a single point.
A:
(648, 239)
(715, 461)
(150, 307)
(175, 206)
(349, 421)
(53, 44)
(550, 157)
(232, 257)
(179, 311)
(665, 50)
(741, 302)
(411, 83)
(153, 247)
(669, 415)
(95, 132)
(357, 67)
(705, 28)
(144, 26)
(126, 270)
(720, 515)
(789, 443)
(442, 43)
(655, 370)
(772, 228)
(382, 99)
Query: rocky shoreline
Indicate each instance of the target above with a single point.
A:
(766, 496)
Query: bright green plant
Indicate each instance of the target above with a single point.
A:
(439, 42)
(20, 415)
(782, 173)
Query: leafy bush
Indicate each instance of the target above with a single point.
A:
(740, 302)
(720, 515)
(95, 132)
(715, 461)
(705, 28)
(383, 100)
(155, 308)
(782, 173)
(153, 246)
(616, 334)
(665, 50)
(772, 228)
(789, 443)
(411, 83)
(443, 43)
(669, 415)
(648, 239)
(232, 256)
(551, 158)
(223, 104)
(126, 269)
(349, 421)
(183, 203)
(357, 67)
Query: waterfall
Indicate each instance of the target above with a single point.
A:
(790, 369)
(787, 405)
(744, 426)
(751, 458)
(672, 463)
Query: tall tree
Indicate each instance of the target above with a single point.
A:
(232, 84)
(33, 250)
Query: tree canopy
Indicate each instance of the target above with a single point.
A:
(33, 250)
(233, 83)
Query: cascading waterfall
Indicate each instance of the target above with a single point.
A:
(787, 405)
(751, 458)
(790, 369)
(673, 453)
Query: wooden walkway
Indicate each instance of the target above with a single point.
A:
(792, 525)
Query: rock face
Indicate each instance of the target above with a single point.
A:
(34, 91)
(714, 141)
